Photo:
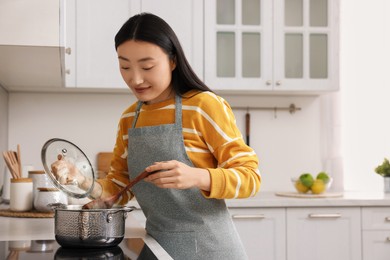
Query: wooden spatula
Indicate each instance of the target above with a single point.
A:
(107, 203)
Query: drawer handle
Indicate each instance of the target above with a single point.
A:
(331, 215)
(254, 216)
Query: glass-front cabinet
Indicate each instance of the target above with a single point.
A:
(272, 45)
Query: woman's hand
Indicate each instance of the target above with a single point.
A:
(177, 175)
(66, 172)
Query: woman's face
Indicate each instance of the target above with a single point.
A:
(147, 70)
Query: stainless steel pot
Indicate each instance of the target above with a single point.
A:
(76, 227)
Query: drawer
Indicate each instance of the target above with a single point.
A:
(376, 245)
(376, 218)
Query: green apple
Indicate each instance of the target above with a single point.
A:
(306, 179)
(323, 176)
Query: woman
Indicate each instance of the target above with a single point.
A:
(186, 135)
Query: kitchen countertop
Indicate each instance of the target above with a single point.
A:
(14, 229)
(271, 200)
(346, 199)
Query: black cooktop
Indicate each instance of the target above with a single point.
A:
(129, 249)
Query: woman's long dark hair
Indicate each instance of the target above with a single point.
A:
(151, 28)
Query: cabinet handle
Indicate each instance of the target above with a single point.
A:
(268, 82)
(254, 216)
(331, 215)
(68, 51)
(388, 239)
(387, 218)
(278, 83)
(67, 71)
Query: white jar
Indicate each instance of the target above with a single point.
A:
(21, 194)
(40, 180)
(46, 196)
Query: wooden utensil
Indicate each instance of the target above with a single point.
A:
(107, 203)
(14, 161)
(19, 160)
(247, 126)
(12, 164)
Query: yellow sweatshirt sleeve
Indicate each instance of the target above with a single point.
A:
(118, 177)
(234, 172)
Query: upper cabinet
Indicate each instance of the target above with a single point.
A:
(272, 45)
(91, 60)
(31, 45)
(31, 23)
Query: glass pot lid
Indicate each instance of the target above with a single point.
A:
(72, 154)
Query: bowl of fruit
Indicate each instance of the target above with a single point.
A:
(306, 183)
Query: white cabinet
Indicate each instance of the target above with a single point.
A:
(300, 233)
(31, 23)
(272, 45)
(91, 60)
(324, 233)
(376, 233)
(31, 44)
(262, 231)
(91, 27)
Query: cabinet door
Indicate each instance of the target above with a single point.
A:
(91, 25)
(376, 245)
(262, 232)
(323, 233)
(31, 23)
(238, 44)
(186, 19)
(306, 45)
(277, 45)
(376, 218)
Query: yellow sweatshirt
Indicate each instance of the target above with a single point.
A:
(211, 138)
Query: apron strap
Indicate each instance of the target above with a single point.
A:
(137, 111)
(178, 111)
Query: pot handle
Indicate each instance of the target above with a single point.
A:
(129, 209)
(124, 209)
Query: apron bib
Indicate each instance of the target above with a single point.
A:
(183, 222)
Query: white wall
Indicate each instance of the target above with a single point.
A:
(287, 145)
(3, 129)
(365, 91)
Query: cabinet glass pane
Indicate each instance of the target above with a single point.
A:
(318, 56)
(251, 12)
(251, 54)
(226, 54)
(293, 12)
(226, 12)
(318, 12)
(293, 60)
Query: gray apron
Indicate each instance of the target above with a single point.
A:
(183, 222)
